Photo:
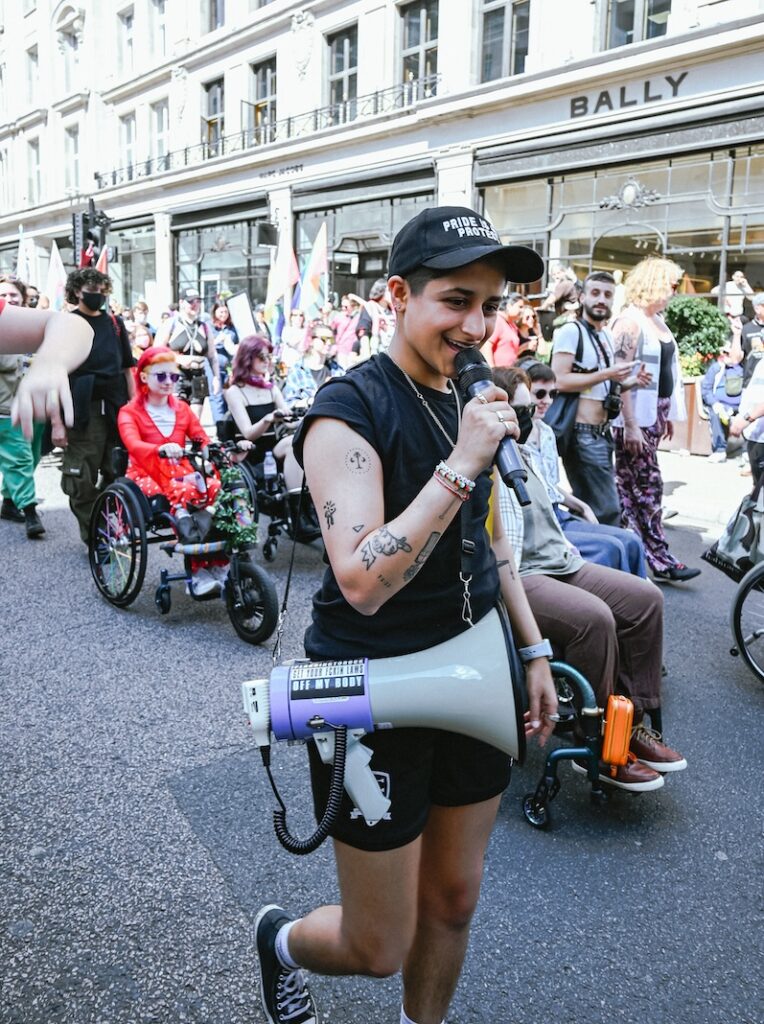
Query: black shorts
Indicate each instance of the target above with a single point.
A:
(415, 769)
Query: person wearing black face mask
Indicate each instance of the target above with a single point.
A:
(100, 387)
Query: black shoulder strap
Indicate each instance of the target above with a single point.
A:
(580, 347)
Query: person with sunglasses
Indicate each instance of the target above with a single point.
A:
(607, 624)
(154, 428)
(596, 542)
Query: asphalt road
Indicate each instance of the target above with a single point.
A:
(136, 842)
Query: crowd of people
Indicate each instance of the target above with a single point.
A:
(399, 466)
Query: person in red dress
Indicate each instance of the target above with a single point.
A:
(154, 427)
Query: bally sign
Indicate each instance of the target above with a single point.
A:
(631, 95)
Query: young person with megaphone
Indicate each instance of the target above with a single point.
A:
(399, 467)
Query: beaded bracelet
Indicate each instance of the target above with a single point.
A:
(461, 495)
(462, 483)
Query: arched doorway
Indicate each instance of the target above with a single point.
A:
(623, 247)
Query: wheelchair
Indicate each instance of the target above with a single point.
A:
(291, 514)
(124, 522)
(580, 719)
(747, 620)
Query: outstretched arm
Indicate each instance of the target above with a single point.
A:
(62, 343)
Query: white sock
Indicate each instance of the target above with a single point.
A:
(407, 1020)
(282, 946)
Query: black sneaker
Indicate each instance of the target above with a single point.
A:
(284, 992)
(10, 512)
(677, 573)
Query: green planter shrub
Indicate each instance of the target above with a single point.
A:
(700, 330)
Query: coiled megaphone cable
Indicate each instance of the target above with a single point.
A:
(332, 810)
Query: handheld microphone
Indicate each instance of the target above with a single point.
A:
(474, 376)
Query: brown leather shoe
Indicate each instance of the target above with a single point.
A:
(633, 775)
(648, 747)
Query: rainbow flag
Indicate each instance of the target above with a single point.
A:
(282, 276)
(313, 286)
(56, 280)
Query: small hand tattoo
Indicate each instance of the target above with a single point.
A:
(357, 461)
(357, 529)
(384, 582)
(329, 510)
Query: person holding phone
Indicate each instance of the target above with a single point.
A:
(585, 361)
(649, 415)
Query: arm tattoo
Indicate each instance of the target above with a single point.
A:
(623, 344)
(506, 564)
(329, 510)
(357, 460)
(422, 557)
(382, 543)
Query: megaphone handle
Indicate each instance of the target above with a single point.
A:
(360, 782)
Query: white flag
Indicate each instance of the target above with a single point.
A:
(56, 280)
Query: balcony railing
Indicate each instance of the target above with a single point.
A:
(386, 101)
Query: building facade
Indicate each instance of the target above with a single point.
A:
(597, 131)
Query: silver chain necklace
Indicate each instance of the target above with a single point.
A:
(426, 404)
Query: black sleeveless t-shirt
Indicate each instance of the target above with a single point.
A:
(377, 402)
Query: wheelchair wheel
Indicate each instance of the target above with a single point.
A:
(117, 547)
(253, 605)
(747, 620)
(536, 812)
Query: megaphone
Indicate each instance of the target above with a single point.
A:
(472, 684)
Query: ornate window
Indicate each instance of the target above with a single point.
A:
(68, 27)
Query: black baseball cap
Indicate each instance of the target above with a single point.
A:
(189, 294)
(447, 237)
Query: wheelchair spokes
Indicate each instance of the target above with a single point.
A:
(117, 546)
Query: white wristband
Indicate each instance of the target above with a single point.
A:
(543, 649)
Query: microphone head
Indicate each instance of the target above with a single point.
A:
(471, 368)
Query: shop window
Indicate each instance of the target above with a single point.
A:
(343, 74)
(261, 115)
(72, 158)
(33, 172)
(505, 38)
(125, 48)
(518, 206)
(419, 49)
(748, 178)
(632, 21)
(213, 123)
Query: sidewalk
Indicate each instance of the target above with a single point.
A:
(703, 493)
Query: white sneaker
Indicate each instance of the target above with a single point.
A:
(717, 457)
(203, 582)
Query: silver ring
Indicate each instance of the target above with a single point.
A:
(500, 417)
(482, 399)
(506, 429)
